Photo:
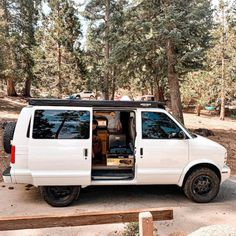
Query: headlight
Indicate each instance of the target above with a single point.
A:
(225, 157)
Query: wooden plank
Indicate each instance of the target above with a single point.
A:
(89, 218)
(145, 224)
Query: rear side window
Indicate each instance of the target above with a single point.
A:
(157, 125)
(61, 124)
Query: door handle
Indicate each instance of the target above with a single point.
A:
(141, 152)
(85, 153)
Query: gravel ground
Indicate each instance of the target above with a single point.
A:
(188, 216)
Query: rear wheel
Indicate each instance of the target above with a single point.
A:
(8, 136)
(60, 196)
(202, 185)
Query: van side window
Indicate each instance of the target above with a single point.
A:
(61, 124)
(157, 125)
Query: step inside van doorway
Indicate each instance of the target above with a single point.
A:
(116, 131)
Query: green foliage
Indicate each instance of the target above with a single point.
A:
(18, 21)
(131, 229)
(204, 87)
(59, 62)
(126, 47)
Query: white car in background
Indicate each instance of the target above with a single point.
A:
(87, 95)
(83, 95)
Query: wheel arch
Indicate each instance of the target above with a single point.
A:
(189, 169)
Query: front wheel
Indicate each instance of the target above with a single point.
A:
(60, 196)
(202, 185)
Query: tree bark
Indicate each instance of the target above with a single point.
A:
(59, 56)
(198, 109)
(9, 63)
(107, 50)
(159, 91)
(27, 9)
(173, 82)
(113, 83)
(222, 107)
(59, 69)
(27, 88)
(11, 91)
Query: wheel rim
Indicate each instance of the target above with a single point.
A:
(60, 193)
(202, 185)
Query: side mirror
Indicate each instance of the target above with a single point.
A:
(181, 135)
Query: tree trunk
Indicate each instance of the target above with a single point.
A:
(222, 107)
(11, 91)
(159, 91)
(152, 87)
(27, 10)
(107, 50)
(9, 59)
(59, 70)
(113, 83)
(26, 92)
(198, 109)
(173, 82)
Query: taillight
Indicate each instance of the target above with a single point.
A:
(13, 152)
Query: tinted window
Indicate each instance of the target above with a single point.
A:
(158, 126)
(61, 124)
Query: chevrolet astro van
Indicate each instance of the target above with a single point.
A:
(51, 147)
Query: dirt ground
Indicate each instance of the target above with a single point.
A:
(224, 133)
(188, 216)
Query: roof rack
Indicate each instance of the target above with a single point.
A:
(95, 103)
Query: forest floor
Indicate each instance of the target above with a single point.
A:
(23, 200)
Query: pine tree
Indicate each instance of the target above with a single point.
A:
(59, 58)
(27, 20)
(105, 25)
(9, 46)
(182, 30)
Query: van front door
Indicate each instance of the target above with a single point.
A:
(60, 146)
(162, 147)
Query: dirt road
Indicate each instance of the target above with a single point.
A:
(188, 216)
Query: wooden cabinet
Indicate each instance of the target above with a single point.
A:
(103, 135)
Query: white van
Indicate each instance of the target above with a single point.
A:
(54, 147)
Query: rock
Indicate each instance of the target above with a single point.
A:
(215, 230)
(204, 132)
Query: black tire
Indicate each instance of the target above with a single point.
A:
(8, 136)
(202, 185)
(60, 196)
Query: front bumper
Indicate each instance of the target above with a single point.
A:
(7, 175)
(225, 173)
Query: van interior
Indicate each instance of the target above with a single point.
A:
(113, 145)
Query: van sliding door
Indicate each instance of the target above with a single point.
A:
(60, 146)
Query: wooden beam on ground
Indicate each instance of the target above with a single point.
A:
(89, 218)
